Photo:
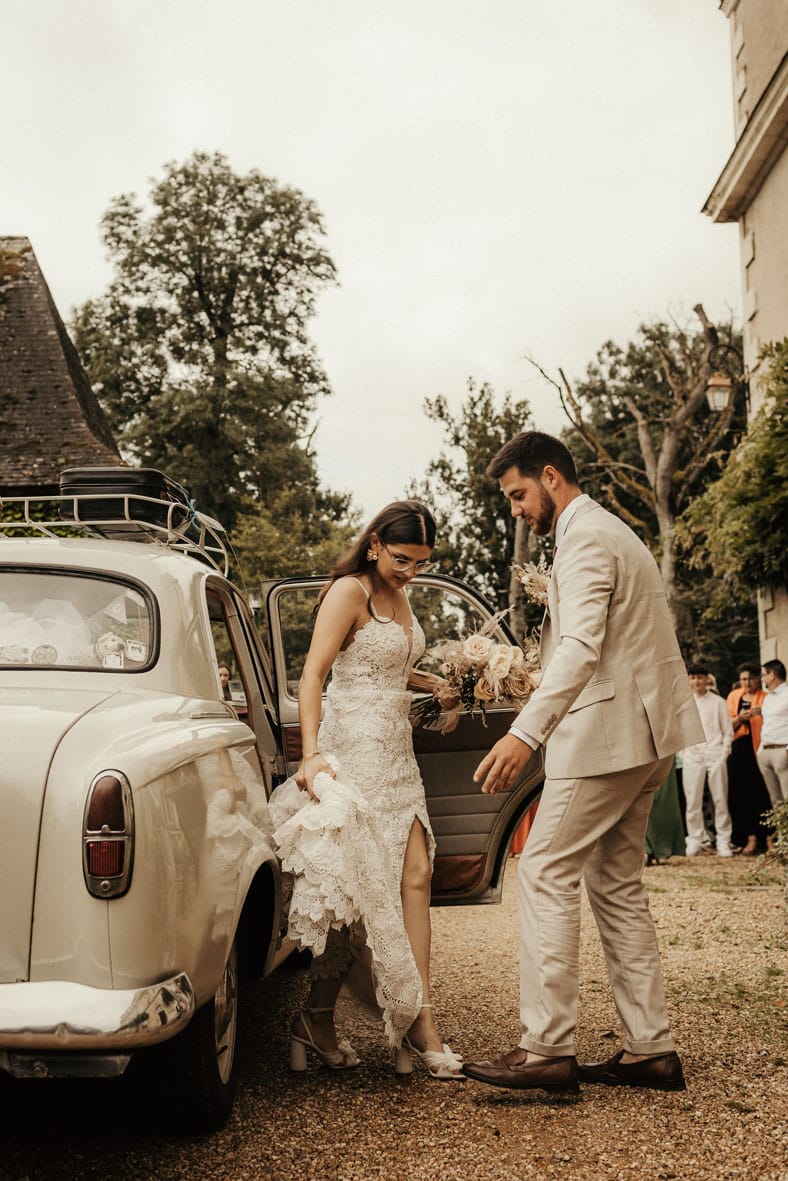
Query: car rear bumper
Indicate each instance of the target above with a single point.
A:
(62, 1015)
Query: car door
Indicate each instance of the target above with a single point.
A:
(473, 831)
(250, 697)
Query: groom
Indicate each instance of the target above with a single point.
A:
(613, 706)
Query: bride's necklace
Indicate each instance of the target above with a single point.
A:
(390, 618)
(382, 618)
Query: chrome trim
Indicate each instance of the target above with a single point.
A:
(62, 1015)
(60, 1064)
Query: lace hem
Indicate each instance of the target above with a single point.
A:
(344, 876)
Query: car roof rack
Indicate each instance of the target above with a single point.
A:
(116, 516)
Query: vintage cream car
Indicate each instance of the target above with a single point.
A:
(139, 877)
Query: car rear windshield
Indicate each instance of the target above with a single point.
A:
(69, 621)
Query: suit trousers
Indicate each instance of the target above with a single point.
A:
(773, 763)
(694, 778)
(591, 828)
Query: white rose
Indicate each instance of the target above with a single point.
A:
(477, 648)
(518, 658)
(500, 662)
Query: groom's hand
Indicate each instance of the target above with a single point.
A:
(501, 768)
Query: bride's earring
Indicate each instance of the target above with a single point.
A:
(371, 555)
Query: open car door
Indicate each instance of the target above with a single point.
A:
(473, 831)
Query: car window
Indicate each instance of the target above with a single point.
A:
(245, 691)
(71, 621)
(297, 619)
(445, 615)
(226, 654)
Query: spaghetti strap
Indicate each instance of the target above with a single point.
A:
(361, 584)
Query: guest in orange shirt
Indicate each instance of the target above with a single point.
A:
(748, 798)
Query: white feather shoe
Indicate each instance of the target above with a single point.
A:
(342, 1058)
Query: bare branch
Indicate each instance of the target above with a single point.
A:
(644, 440)
(575, 418)
(634, 522)
(573, 411)
(703, 455)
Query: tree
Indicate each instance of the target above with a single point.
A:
(296, 534)
(647, 445)
(643, 434)
(199, 349)
(739, 526)
(478, 538)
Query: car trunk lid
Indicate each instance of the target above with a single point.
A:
(32, 724)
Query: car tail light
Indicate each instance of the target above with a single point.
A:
(108, 835)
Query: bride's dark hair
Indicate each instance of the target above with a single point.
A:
(407, 522)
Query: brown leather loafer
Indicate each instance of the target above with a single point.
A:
(513, 1070)
(662, 1072)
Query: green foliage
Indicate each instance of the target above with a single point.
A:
(629, 399)
(475, 525)
(295, 534)
(199, 349)
(777, 821)
(739, 527)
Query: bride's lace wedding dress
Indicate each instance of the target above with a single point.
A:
(346, 851)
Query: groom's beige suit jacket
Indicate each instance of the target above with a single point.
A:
(614, 692)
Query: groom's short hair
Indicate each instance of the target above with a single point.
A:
(530, 452)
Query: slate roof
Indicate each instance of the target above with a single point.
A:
(49, 416)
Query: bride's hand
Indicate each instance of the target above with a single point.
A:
(310, 767)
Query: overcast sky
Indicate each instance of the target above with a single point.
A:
(497, 177)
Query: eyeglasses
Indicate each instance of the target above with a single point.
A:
(402, 564)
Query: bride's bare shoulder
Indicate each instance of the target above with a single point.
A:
(352, 586)
(347, 592)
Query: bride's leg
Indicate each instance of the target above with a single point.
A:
(416, 877)
(327, 975)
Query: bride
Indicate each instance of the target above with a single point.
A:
(360, 846)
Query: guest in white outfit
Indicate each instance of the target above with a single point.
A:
(708, 759)
(773, 751)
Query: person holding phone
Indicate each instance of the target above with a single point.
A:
(748, 798)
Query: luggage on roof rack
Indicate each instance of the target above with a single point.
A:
(146, 486)
(119, 504)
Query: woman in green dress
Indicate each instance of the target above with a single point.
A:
(665, 835)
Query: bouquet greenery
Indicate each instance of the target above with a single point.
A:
(534, 579)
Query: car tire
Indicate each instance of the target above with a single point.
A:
(196, 1074)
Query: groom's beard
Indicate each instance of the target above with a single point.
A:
(544, 522)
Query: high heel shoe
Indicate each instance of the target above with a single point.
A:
(342, 1058)
(444, 1065)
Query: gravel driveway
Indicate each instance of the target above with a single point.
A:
(723, 943)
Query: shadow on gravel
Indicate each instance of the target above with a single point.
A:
(102, 1129)
(527, 1099)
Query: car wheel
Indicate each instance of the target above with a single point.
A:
(197, 1073)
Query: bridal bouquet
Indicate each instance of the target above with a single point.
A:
(533, 579)
(480, 671)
